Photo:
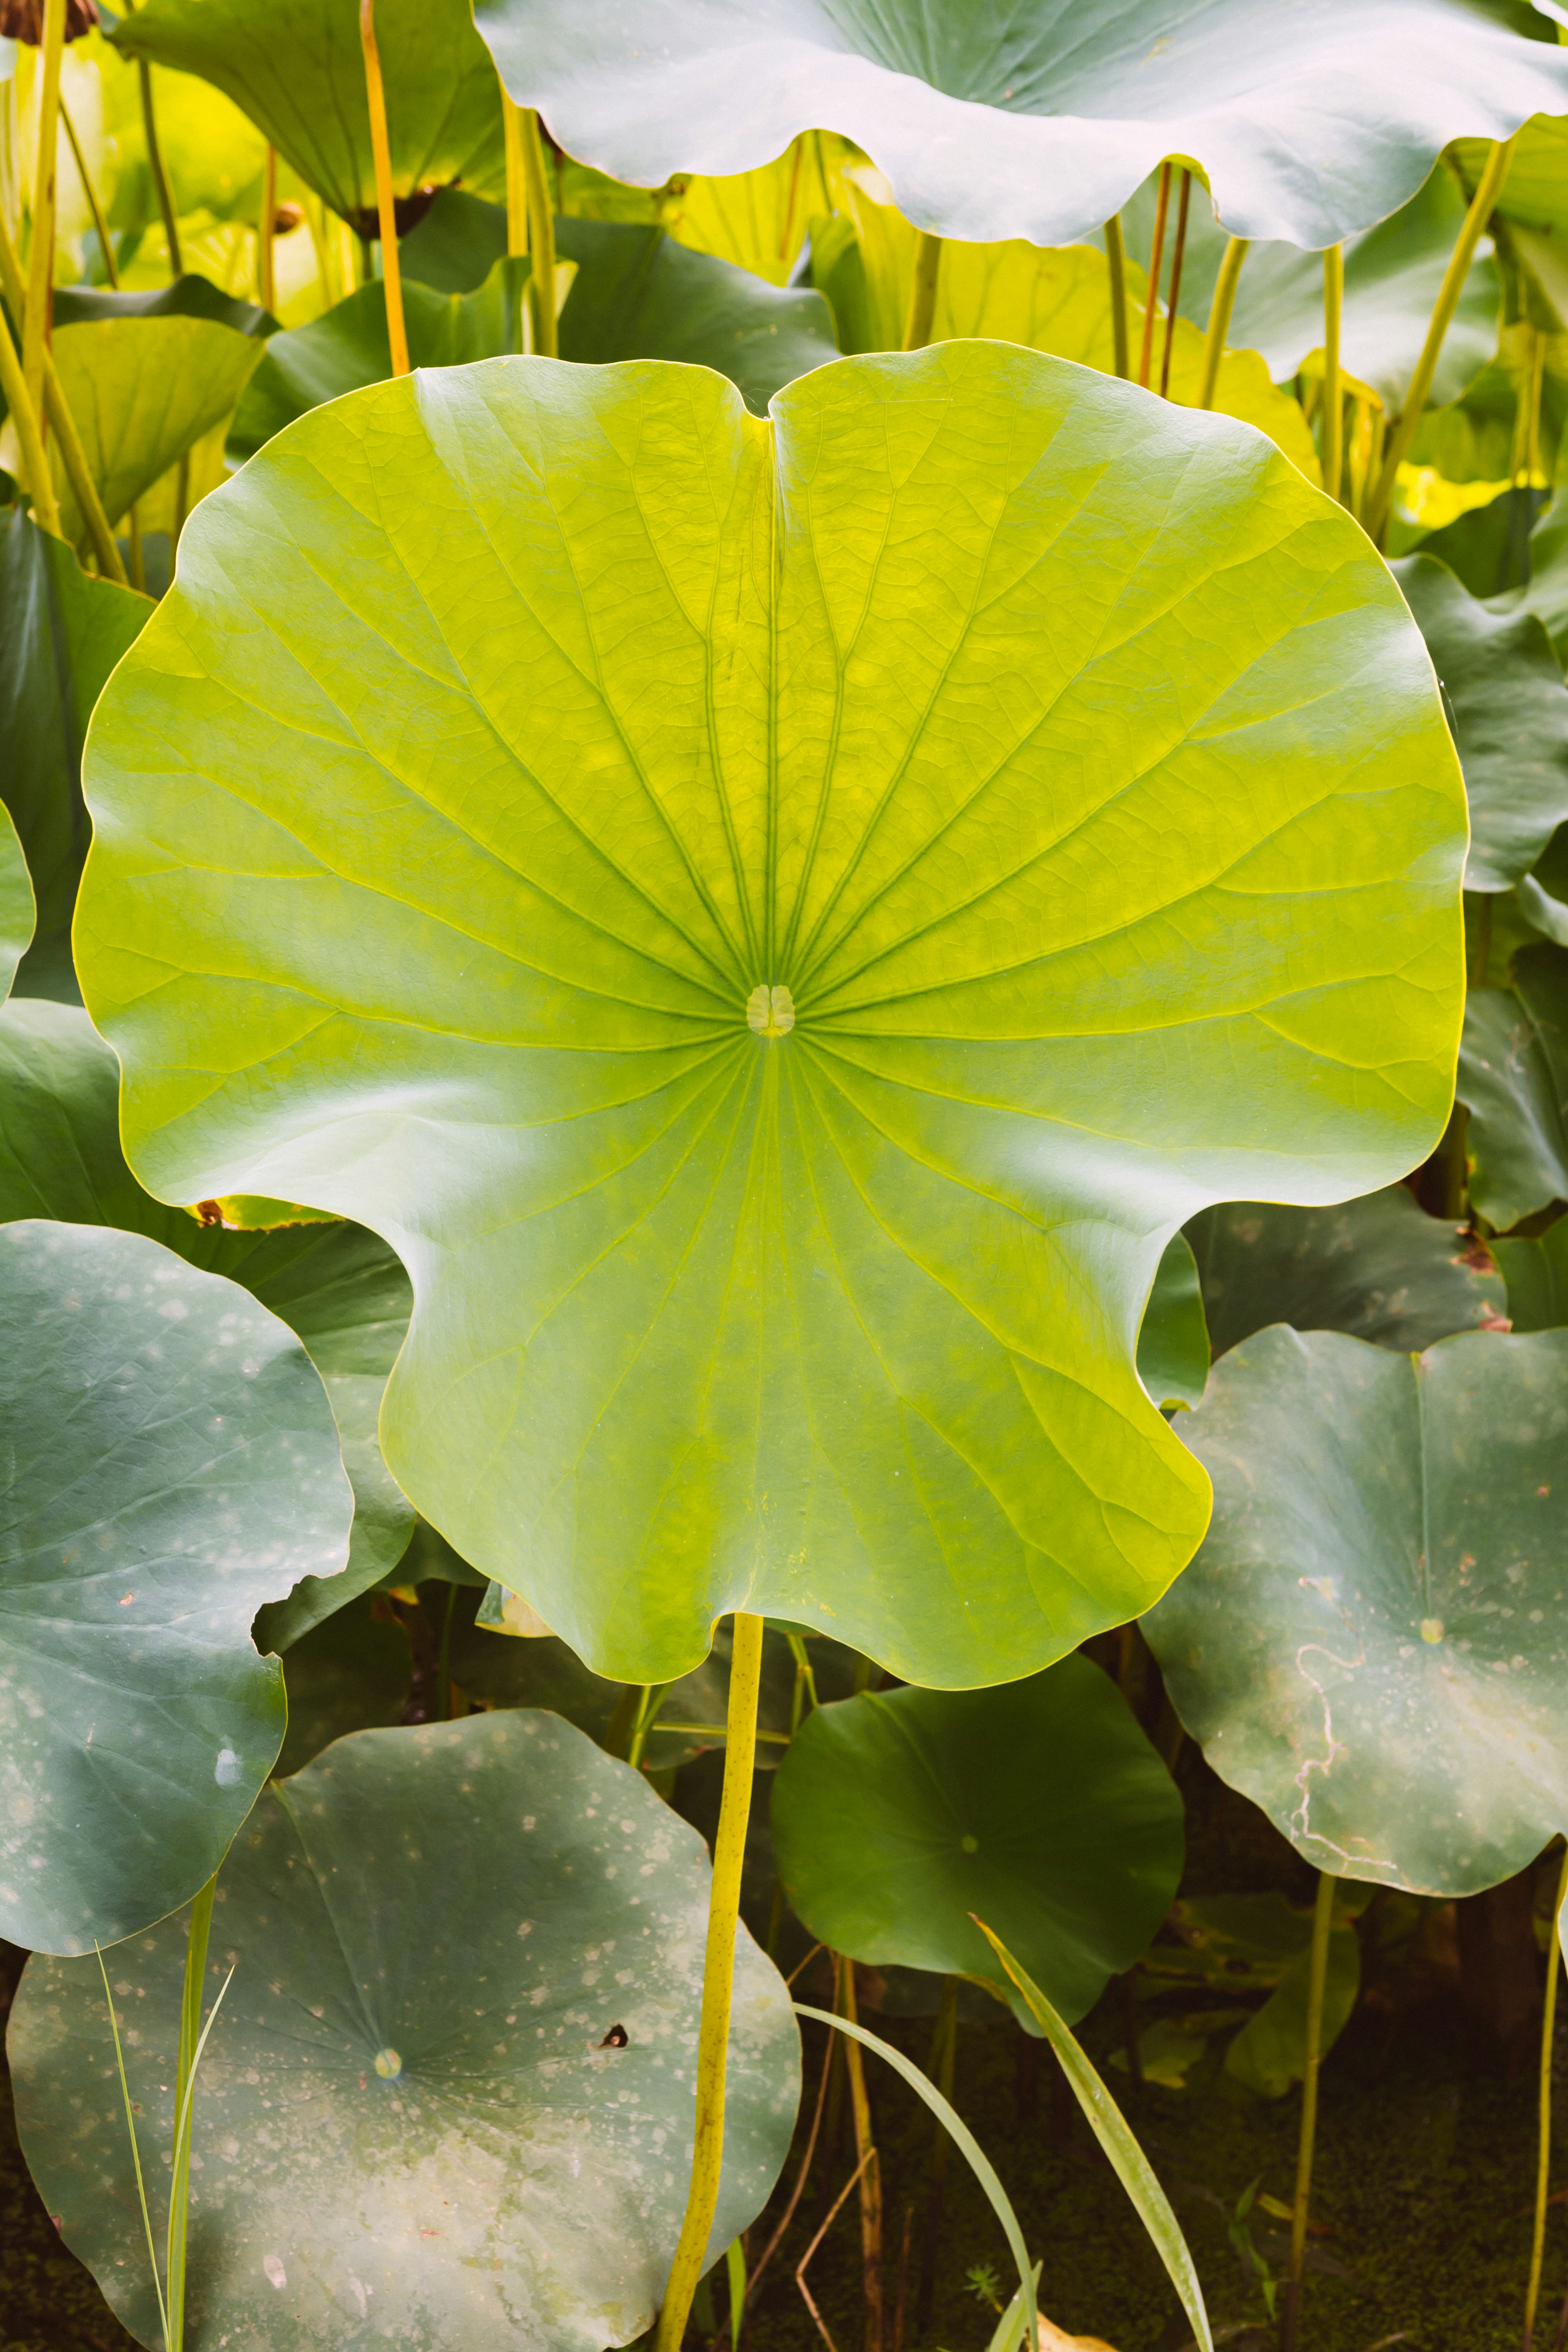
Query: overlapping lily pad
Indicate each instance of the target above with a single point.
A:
(1504, 685)
(1536, 1271)
(1371, 1642)
(449, 2100)
(146, 375)
(296, 69)
(779, 1010)
(993, 123)
(1379, 1269)
(61, 633)
(1513, 1076)
(18, 910)
(340, 1289)
(1040, 1808)
(172, 1464)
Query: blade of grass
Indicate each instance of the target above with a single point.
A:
(135, 2151)
(190, 2042)
(968, 2145)
(182, 2175)
(1109, 2128)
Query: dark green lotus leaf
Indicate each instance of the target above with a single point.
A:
(1041, 1807)
(17, 908)
(173, 1464)
(1371, 1644)
(146, 375)
(639, 295)
(348, 347)
(779, 1066)
(993, 122)
(1393, 275)
(297, 68)
(1504, 685)
(61, 633)
(410, 2126)
(1513, 1076)
(1173, 1338)
(351, 1673)
(1536, 1272)
(339, 1288)
(1379, 1269)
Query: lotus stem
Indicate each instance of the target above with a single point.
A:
(155, 165)
(1543, 2162)
(1322, 1922)
(870, 2167)
(516, 176)
(266, 273)
(1116, 270)
(180, 2185)
(73, 456)
(718, 1980)
(922, 291)
(1332, 448)
(29, 440)
(385, 210)
(1176, 259)
(41, 250)
(1220, 309)
(100, 226)
(541, 241)
(1152, 294)
(1403, 431)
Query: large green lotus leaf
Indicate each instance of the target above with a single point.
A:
(1510, 706)
(1536, 1272)
(759, 220)
(297, 68)
(1041, 1807)
(340, 1289)
(172, 1464)
(1514, 1077)
(1379, 1267)
(996, 122)
(1531, 217)
(1371, 1644)
(61, 633)
(348, 347)
(412, 2126)
(1064, 768)
(18, 912)
(1392, 277)
(146, 375)
(1056, 301)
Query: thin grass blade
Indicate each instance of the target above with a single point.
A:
(968, 2145)
(135, 2151)
(1110, 2129)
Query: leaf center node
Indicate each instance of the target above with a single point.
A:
(770, 1012)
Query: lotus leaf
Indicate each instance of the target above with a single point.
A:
(1379, 1267)
(996, 122)
(296, 69)
(760, 220)
(1173, 1342)
(146, 375)
(1536, 1273)
(61, 633)
(1371, 1643)
(1504, 685)
(1040, 1808)
(17, 911)
(349, 1672)
(172, 1465)
(779, 1005)
(412, 2126)
(339, 1288)
(1514, 1077)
